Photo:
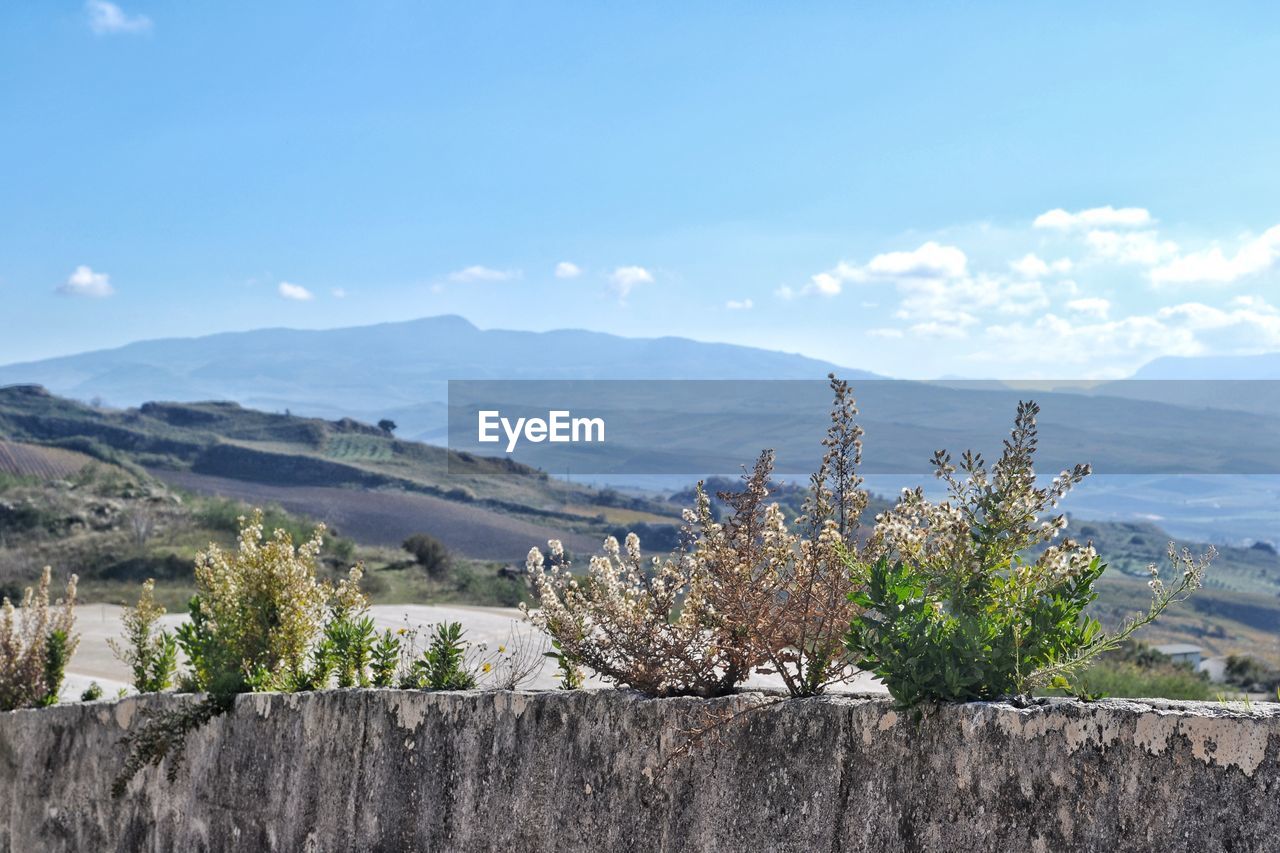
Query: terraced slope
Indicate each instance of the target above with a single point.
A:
(43, 463)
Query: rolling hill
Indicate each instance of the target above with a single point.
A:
(362, 480)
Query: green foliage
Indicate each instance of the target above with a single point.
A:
(971, 649)
(951, 609)
(385, 659)
(163, 734)
(568, 672)
(151, 653)
(350, 641)
(1139, 672)
(92, 693)
(1251, 674)
(444, 665)
(429, 552)
(257, 623)
(57, 652)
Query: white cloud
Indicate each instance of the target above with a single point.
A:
(339, 293)
(961, 302)
(1032, 265)
(1211, 266)
(85, 282)
(824, 284)
(938, 330)
(1094, 217)
(1091, 306)
(483, 273)
(1110, 348)
(566, 269)
(1138, 247)
(296, 292)
(625, 279)
(885, 333)
(739, 305)
(1106, 349)
(109, 19)
(931, 260)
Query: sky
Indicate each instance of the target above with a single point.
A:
(985, 190)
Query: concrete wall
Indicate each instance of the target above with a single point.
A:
(394, 770)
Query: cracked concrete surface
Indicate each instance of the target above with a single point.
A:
(603, 770)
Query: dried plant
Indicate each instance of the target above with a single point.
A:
(789, 593)
(643, 623)
(736, 596)
(517, 661)
(36, 642)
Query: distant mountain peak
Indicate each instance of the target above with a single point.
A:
(396, 369)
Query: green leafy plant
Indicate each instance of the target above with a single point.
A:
(444, 664)
(150, 652)
(92, 693)
(257, 623)
(974, 598)
(568, 672)
(349, 639)
(385, 659)
(58, 649)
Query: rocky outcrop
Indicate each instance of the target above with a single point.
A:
(607, 770)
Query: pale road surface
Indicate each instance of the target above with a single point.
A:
(493, 626)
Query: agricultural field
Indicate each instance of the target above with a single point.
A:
(40, 463)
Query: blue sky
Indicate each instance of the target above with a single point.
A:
(872, 184)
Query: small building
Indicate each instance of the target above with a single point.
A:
(1182, 653)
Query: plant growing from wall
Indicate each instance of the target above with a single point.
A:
(36, 642)
(738, 595)
(385, 659)
(445, 664)
(257, 623)
(150, 652)
(517, 660)
(568, 672)
(974, 597)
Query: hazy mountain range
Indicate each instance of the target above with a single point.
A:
(395, 370)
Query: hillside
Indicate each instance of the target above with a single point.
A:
(395, 370)
(363, 482)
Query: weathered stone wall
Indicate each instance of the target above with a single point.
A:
(393, 770)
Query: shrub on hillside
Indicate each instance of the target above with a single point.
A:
(36, 642)
(430, 553)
